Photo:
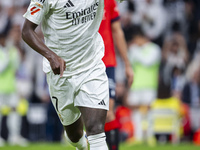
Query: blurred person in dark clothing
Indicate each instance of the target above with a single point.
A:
(175, 58)
(191, 94)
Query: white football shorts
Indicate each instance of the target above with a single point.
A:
(142, 97)
(86, 89)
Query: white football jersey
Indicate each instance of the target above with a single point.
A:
(70, 28)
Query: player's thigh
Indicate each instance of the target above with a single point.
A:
(62, 95)
(93, 100)
(94, 120)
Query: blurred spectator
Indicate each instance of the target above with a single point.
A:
(5, 19)
(165, 115)
(123, 115)
(176, 15)
(145, 59)
(127, 9)
(193, 21)
(175, 51)
(151, 15)
(23, 75)
(191, 94)
(175, 59)
(9, 99)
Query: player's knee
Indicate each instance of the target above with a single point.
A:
(75, 137)
(94, 128)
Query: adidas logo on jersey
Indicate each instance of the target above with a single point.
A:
(69, 4)
(102, 103)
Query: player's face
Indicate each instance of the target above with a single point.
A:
(174, 47)
(137, 40)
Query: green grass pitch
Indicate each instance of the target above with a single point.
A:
(124, 146)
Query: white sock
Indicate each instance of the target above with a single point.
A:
(150, 133)
(97, 142)
(137, 121)
(81, 144)
(14, 125)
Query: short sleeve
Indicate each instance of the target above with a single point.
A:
(114, 11)
(37, 10)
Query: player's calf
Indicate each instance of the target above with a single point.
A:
(82, 144)
(76, 136)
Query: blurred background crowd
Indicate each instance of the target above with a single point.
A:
(163, 38)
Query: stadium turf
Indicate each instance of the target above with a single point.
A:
(124, 146)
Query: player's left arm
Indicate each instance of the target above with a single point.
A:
(119, 40)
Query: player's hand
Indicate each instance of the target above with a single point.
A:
(58, 65)
(129, 75)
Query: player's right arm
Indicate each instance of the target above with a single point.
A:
(31, 38)
(34, 15)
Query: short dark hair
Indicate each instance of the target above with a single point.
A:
(137, 31)
(132, 31)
